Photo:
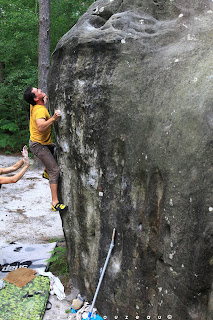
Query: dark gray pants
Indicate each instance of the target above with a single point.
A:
(46, 154)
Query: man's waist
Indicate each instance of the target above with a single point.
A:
(43, 142)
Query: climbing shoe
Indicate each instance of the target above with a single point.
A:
(45, 175)
(59, 207)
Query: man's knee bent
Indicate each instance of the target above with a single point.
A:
(53, 175)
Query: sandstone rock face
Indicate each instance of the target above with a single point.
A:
(134, 81)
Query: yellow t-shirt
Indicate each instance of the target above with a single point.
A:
(37, 112)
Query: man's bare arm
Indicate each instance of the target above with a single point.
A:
(16, 177)
(13, 168)
(18, 164)
(43, 124)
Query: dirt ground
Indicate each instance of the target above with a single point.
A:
(26, 217)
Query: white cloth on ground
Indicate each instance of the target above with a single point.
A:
(2, 284)
(83, 313)
(56, 287)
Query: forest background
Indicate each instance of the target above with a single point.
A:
(19, 29)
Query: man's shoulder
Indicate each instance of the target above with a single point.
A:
(40, 108)
(40, 111)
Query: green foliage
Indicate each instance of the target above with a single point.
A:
(18, 24)
(19, 55)
(56, 240)
(66, 13)
(58, 261)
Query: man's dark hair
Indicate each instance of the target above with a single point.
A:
(29, 96)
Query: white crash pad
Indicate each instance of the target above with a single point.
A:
(19, 255)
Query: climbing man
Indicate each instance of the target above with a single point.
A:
(40, 140)
(13, 179)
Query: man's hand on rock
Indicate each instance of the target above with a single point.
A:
(57, 114)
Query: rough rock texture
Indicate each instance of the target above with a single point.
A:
(134, 80)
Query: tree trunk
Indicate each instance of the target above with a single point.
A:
(2, 72)
(44, 43)
(36, 7)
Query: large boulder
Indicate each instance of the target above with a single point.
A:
(134, 81)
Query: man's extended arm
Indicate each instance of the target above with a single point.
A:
(13, 168)
(16, 177)
(43, 124)
(16, 166)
